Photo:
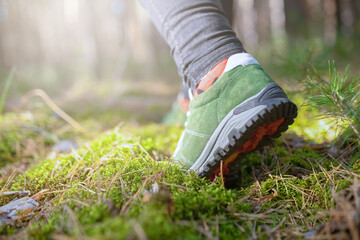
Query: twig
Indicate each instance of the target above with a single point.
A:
(16, 193)
(221, 172)
(143, 149)
(77, 201)
(125, 206)
(98, 187)
(278, 226)
(175, 185)
(117, 175)
(74, 222)
(8, 158)
(8, 182)
(40, 93)
(139, 231)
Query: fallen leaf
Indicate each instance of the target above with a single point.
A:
(39, 195)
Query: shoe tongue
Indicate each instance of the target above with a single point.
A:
(238, 59)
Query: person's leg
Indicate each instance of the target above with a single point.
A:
(197, 32)
(234, 105)
(183, 99)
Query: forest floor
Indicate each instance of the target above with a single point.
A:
(119, 183)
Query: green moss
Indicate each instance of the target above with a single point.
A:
(17, 132)
(206, 201)
(159, 137)
(100, 190)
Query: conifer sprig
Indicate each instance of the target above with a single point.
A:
(338, 96)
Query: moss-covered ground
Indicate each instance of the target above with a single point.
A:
(122, 185)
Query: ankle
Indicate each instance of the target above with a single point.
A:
(224, 66)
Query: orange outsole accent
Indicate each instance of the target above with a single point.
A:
(268, 129)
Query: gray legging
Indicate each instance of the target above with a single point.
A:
(198, 33)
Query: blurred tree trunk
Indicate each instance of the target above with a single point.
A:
(330, 21)
(228, 6)
(141, 29)
(355, 5)
(245, 24)
(84, 37)
(277, 18)
(313, 16)
(263, 24)
(346, 17)
(97, 38)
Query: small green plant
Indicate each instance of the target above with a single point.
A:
(6, 89)
(337, 98)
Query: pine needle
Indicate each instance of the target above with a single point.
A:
(338, 97)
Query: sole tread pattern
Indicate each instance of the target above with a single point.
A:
(238, 137)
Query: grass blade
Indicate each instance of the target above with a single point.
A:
(6, 88)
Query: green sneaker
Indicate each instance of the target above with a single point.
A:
(174, 116)
(177, 114)
(234, 106)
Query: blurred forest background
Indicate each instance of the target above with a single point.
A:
(105, 64)
(92, 55)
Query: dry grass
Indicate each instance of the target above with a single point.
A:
(124, 174)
